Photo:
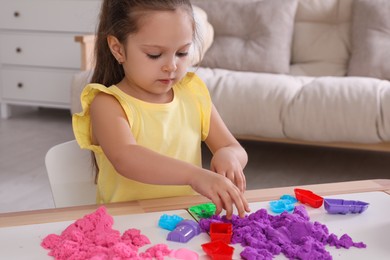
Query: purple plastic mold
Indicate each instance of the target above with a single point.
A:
(340, 206)
(184, 231)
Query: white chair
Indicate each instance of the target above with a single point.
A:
(71, 175)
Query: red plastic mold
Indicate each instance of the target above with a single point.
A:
(221, 231)
(218, 250)
(309, 198)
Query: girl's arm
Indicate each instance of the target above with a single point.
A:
(229, 157)
(112, 132)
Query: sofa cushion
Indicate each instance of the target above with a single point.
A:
(251, 103)
(370, 39)
(384, 111)
(337, 109)
(321, 41)
(250, 35)
(316, 109)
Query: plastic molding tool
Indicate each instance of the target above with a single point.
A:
(221, 231)
(218, 250)
(285, 203)
(184, 231)
(205, 210)
(308, 197)
(340, 206)
(169, 222)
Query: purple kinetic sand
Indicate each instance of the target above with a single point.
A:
(263, 236)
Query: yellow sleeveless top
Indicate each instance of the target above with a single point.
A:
(175, 129)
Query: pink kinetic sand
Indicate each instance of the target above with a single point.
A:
(265, 236)
(92, 237)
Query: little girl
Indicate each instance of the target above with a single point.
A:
(144, 116)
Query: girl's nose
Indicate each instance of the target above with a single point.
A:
(170, 65)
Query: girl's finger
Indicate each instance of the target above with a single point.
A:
(227, 204)
(230, 176)
(218, 204)
(239, 182)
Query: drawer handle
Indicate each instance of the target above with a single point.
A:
(16, 14)
(20, 85)
(18, 50)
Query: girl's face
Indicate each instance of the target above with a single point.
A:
(157, 55)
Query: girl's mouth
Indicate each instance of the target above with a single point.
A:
(166, 81)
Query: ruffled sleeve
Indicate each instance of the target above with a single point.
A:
(81, 122)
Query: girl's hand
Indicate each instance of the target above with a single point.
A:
(225, 163)
(222, 192)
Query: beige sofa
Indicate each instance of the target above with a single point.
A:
(300, 71)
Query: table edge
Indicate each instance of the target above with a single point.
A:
(174, 203)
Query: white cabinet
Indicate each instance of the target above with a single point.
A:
(38, 54)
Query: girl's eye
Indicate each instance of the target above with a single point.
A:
(182, 54)
(154, 56)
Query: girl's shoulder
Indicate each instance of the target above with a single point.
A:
(193, 87)
(194, 83)
(193, 78)
(92, 90)
(98, 92)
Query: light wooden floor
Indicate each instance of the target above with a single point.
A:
(24, 140)
(27, 136)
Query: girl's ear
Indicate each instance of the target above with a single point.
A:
(116, 48)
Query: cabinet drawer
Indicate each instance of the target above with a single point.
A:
(37, 86)
(40, 50)
(49, 15)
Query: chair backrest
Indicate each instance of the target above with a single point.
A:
(71, 175)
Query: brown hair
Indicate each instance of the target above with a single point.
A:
(121, 18)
